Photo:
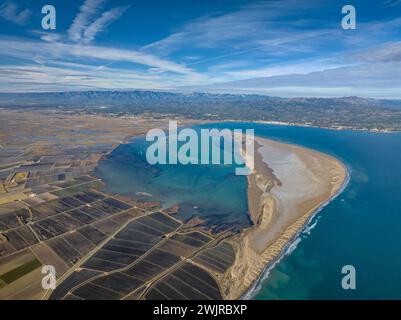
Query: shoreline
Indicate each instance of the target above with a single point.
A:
(278, 211)
(305, 125)
(338, 128)
(290, 236)
(292, 245)
(295, 229)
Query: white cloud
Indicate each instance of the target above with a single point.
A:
(243, 28)
(90, 21)
(63, 66)
(379, 80)
(282, 69)
(102, 23)
(87, 13)
(167, 44)
(25, 49)
(271, 30)
(50, 37)
(268, 40)
(62, 76)
(9, 12)
(47, 36)
(383, 53)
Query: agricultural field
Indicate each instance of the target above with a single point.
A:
(148, 259)
(53, 212)
(185, 283)
(217, 259)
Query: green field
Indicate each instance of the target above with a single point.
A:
(20, 271)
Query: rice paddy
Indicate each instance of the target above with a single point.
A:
(148, 259)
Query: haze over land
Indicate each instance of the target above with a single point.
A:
(339, 113)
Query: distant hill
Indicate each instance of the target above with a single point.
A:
(349, 112)
(114, 97)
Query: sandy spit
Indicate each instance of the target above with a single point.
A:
(285, 188)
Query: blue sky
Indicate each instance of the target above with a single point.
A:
(287, 48)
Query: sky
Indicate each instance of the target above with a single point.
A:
(283, 48)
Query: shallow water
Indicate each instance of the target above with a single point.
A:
(212, 192)
(361, 227)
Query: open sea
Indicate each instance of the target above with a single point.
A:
(361, 227)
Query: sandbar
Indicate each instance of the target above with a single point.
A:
(287, 185)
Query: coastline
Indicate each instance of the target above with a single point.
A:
(335, 128)
(292, 245)
(283, 244)
(274, 252)
(306, 125)
(278, 223)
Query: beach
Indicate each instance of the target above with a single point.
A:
(287, 185)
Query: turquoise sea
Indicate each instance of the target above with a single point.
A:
(361, 227)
